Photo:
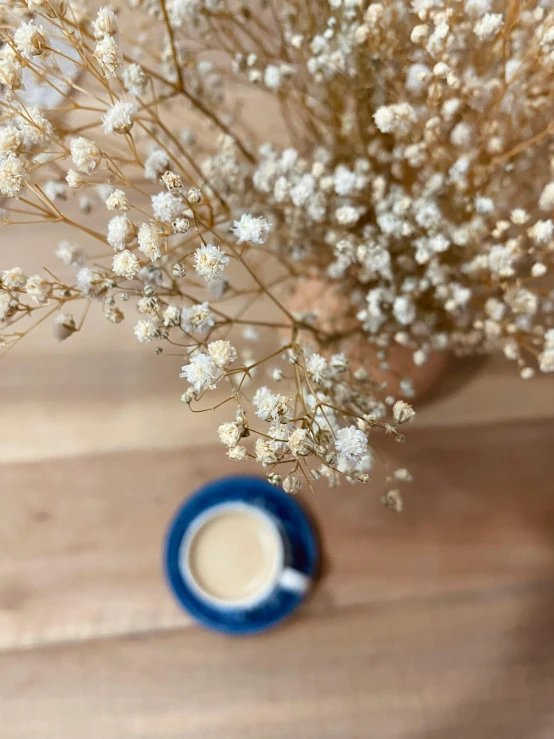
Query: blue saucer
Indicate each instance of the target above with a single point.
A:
(302, 553)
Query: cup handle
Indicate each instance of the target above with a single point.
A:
(294, 581)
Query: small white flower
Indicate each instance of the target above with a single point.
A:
(238, 453)
(106, 22)
(108, 56)
(11, 140)
(272, 77)
(501, 260)
(393, 499)
(135, 80)
(117, 201)
(522, 301)
(420, 357)
(519, 216)
(125, 264)
(166, 207)
(351, 443)
(146, 331)
(339, 363)
(55, 190)
(38, 289)
(549, 339)
(74, 179)
(180, 225)
(251, 229)
(316, 366)
(64, 326)
(477, 7)
(273, 407)
(151, 240)
(172, 315)
(260, 395)
(70, 254)
(292, 484)
(462, 135)
(303, 190)
(229, 434)
(347, 215)
(541, 231)
(546, 360)
(280, 433)
(407, 387)
(344, 180)
(11, 71)
(201, 372)
(29, 40)
(197, 318)
(418, 78)
(85, 154)
(209, 262)
(189, 395)
(398, 118)
(402, 411)
(484, 205)
(488, 26)
(121, 232)
(223, 353)
(546, 201)
(12, 176)
(404, 309)
(194, 196)
(119, 118)
(419, 33)
(91, 282)
(511, 350)
(266, 451)
(7, 305)
(14, 279)
(156, 163)
(495, 309)
(149, 306)
(449, 108)
(299, 443)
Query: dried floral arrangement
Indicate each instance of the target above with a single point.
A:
(416, 185)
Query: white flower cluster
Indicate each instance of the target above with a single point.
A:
(209, 262)
(255, 230)
(204, 370)
(413, 186)
(107, 51)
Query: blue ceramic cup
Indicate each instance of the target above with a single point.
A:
(240, 555)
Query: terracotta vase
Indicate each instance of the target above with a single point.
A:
(333, 313)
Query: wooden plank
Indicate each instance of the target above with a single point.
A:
(101, 391)
(81, 537)
(471, 666)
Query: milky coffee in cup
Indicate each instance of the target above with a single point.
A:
(234, 555)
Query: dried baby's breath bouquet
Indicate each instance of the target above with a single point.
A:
(210, 159)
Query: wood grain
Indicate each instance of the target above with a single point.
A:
(82, 538)
(460, 667)
(92, 397)
(436, 624)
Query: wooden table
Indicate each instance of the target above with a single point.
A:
(436, 624)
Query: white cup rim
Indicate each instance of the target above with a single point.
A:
(185, 550)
